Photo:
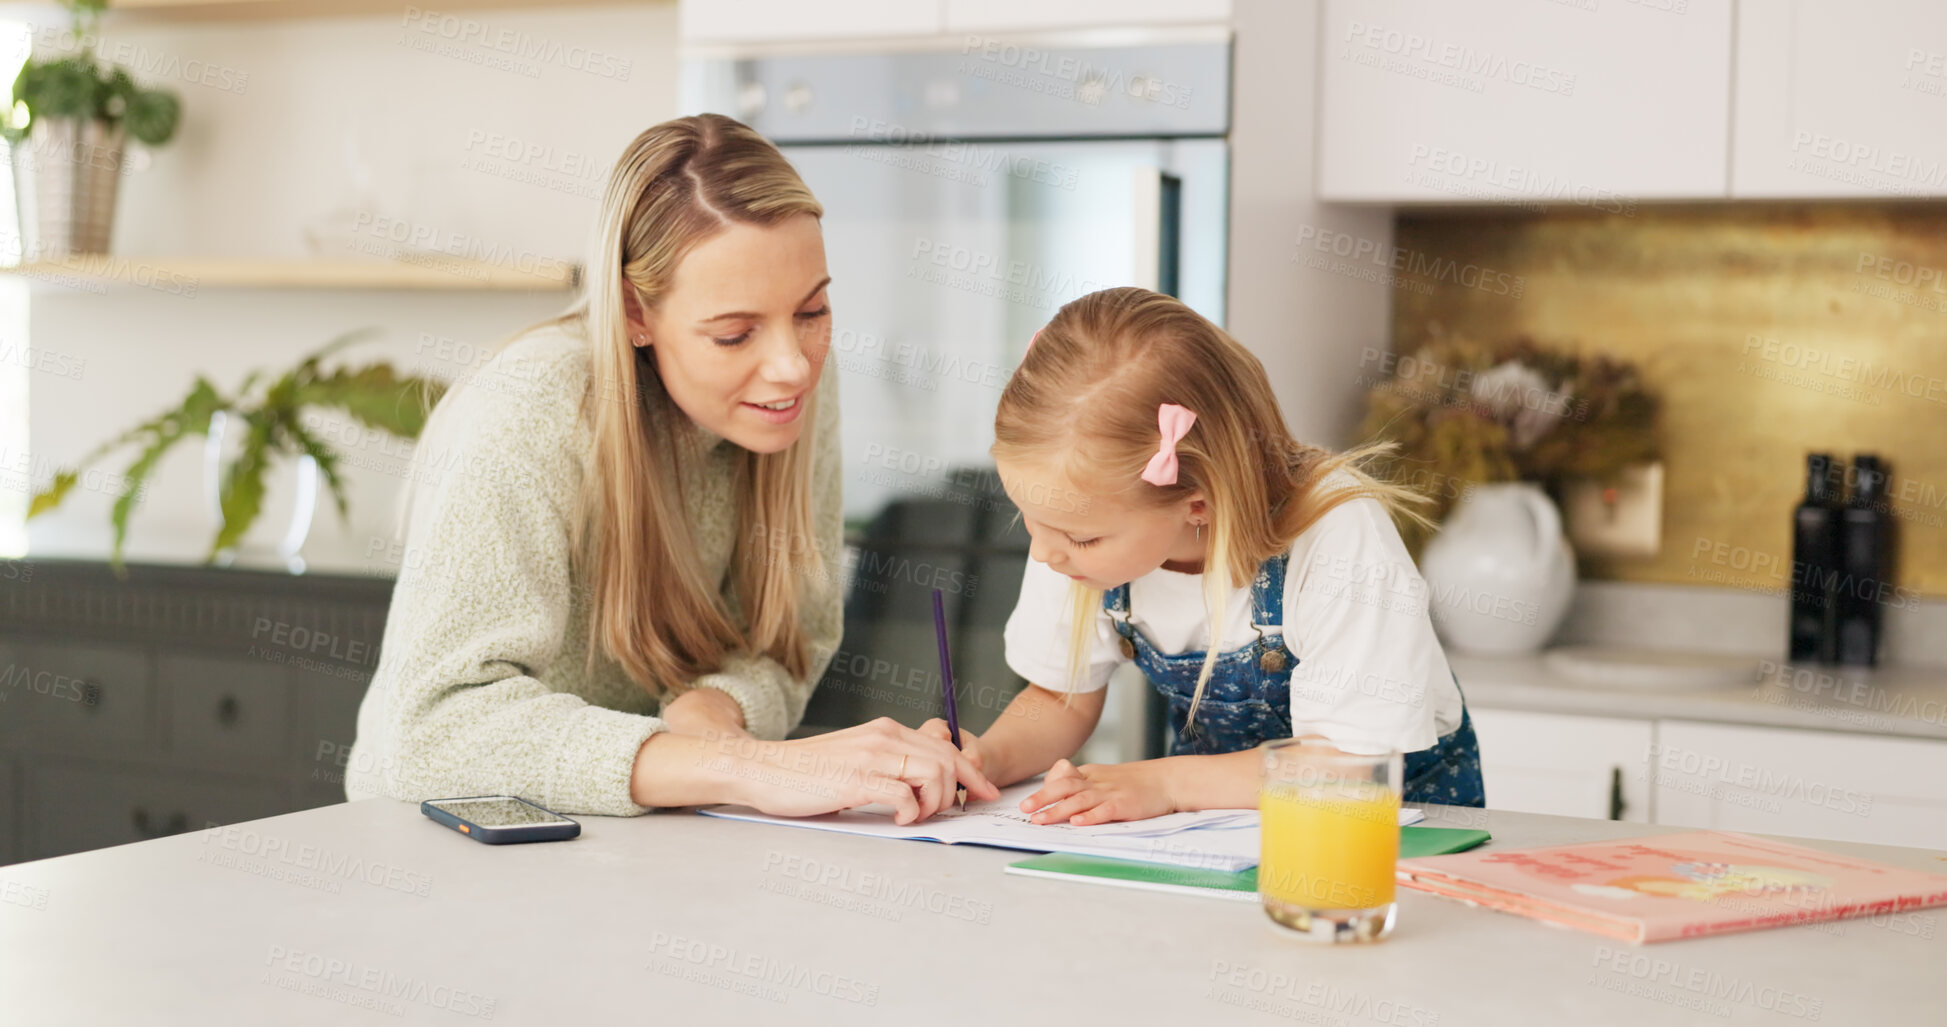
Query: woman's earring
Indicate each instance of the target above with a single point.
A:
(1199, 531)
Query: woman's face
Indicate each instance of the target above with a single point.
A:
(740, 338)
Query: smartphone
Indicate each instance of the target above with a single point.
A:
(500, 819)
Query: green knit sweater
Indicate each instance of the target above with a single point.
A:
(482, 686)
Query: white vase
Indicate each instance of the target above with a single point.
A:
(1500, 573)
(304, 477)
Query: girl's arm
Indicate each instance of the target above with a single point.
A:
(1100, 793)
(1226, 781)
(1035, 730)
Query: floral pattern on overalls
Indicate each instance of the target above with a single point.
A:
(1248, 699)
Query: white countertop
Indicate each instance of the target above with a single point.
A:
(1906, 701)
(610, 928)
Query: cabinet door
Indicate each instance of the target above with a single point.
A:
(81, 698)
(1566, 765)
(74, 808)
(1811, 784)
(1024, 15)
(1840, 99)
(324, 730)
(229, 714)
(1497, 100)
(764, 21)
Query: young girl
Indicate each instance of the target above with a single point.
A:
(1258, 582)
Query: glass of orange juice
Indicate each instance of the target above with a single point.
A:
(1331, 838)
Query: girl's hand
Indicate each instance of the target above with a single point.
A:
(705, 711)
(881, 761)
(969, 742)
(1100, 793)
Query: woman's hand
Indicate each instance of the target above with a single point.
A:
(880, 761)
(705, 711)
(1099, 793)
(969, 742)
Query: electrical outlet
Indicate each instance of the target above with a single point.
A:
(1623, 518)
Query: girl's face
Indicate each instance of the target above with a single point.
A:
(740, 338)
(1101, 541)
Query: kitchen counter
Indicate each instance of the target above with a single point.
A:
(369, 912)
(1890, 700)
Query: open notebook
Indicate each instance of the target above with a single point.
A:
(1209, 839)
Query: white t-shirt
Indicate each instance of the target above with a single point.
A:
(1370, 670)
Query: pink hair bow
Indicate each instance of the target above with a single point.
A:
(1174, 422)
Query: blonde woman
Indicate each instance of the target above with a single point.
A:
(621, 579)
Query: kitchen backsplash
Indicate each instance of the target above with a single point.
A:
(1770, 331)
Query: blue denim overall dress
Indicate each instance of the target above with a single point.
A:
(1248, 698)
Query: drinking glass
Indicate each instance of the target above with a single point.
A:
(1331, 839)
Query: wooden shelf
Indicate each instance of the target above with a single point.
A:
(435, 272)
(247, 10)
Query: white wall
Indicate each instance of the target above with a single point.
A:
(299, 137)
(332, 138)
(1311, 323)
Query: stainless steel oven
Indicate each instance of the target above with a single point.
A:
(969, 192)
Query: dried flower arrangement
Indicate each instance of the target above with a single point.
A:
(1462, 413)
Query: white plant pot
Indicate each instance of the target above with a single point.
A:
(304, 477)
(1500, 573)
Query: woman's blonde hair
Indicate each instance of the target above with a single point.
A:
(652, 609)
(1084, 403)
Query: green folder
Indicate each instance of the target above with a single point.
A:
(1242, 885)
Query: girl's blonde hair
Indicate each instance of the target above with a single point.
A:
(1084, 404)
(652, 609)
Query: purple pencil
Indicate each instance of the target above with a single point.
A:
(946, 669)
(946, 682)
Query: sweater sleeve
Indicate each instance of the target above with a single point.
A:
(481, 607)
(773, 701)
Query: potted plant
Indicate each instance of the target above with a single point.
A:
(270, 425)
(1487, 432)
(66, 126)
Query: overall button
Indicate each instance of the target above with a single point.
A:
(1273, 660)
(1128, 648)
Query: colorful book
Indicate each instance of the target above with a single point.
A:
(1675, 885)
(1242, 886)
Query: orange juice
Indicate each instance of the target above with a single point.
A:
(1328, 847)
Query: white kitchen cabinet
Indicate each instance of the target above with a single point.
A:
(1840, 100)
(1028, 15)
(1812, 784)
(1567, 765)
(776, 21)
(1515, 100)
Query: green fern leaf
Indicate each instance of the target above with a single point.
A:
(243, 486)
(375, 396)
(51, 496)
(327, 464)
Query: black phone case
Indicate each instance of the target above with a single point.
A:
(501, 835)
